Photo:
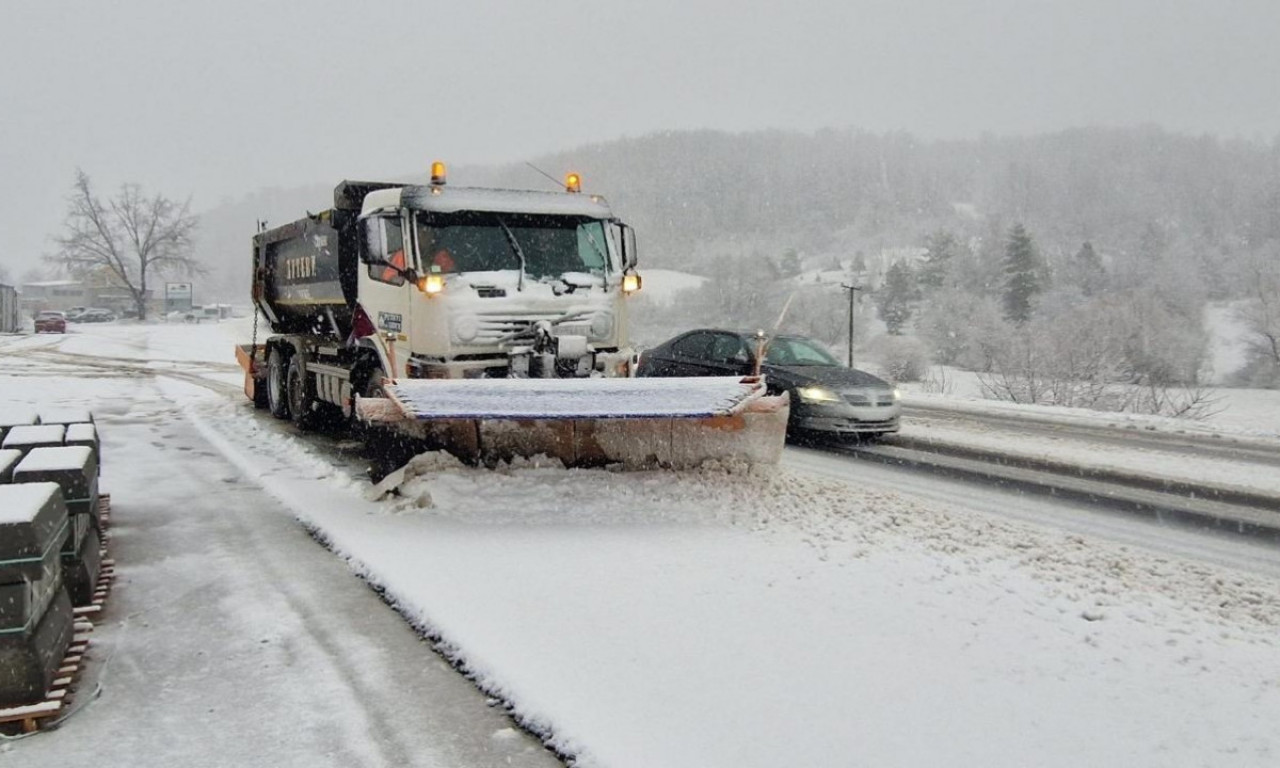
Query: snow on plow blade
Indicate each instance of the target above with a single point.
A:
(668, 422)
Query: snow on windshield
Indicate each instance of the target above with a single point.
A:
(478, 242)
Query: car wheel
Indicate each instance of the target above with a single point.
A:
(277, 398)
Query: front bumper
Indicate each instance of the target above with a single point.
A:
(846, 419)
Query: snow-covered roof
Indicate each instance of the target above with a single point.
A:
(51, 284)
(445, 199)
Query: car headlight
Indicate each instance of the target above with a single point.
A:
(817, 395)
(897, 394)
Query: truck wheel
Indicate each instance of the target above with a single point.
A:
(301, 403)
(277, 400)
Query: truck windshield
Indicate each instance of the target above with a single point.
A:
(476, 242)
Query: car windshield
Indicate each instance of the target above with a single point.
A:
(477, 242)
(792, 351)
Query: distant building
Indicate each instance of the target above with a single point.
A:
(59, 295)
(62, 295)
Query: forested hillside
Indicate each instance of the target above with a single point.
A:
(1171, 221)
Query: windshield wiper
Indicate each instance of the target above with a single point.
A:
(515, 246)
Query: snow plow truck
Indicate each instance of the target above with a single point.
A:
(490, 323)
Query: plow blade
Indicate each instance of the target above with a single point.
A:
(638, 423)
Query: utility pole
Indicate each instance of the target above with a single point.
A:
(853, 290)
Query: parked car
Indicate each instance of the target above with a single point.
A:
(826, 395)
(51, 322)
(73, 314)
(97, 316)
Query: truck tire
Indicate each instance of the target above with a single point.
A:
(277, 373)
(261, 397)
(301, 403)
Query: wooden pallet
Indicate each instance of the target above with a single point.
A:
(31, 717)
(104, 511)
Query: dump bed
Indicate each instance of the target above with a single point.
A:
(305, 272)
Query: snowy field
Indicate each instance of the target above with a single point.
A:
(725, 616)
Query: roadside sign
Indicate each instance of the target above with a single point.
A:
(177, 297)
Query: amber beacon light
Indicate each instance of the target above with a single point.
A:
(437, 173)
(573, 182)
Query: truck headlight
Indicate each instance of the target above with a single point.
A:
(431, 284)
(817, 395)
(601, 325)
(465, 328)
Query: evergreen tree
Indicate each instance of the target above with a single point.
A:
(1153, 243)
(894, 299)
(1090, 275)
(942, 247)
(1022, 273)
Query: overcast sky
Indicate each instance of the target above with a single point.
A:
(220, 98)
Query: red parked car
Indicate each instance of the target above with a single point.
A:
(51, 322)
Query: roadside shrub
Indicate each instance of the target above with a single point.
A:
(902, 358)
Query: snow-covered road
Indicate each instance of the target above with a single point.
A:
(817, 613)
(231, 638)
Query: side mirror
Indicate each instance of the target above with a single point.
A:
(630, 253)
(372, 248)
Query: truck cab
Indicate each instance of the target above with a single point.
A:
(482, 283)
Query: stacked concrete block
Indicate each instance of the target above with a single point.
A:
(16, 417)
(35, 613)
(65, 416)
(75, 471)
(85, 434)
(25, 438)
(9, 458)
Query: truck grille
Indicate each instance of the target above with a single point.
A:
(494, 327)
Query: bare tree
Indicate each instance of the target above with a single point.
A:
(129, 238)
(1260, 314)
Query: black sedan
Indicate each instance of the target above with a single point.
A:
(826, 396)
